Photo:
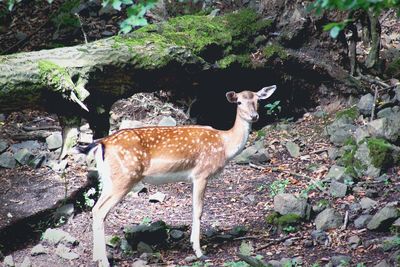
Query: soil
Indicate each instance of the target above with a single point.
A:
(229, 203)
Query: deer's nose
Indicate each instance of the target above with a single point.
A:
(254, 117)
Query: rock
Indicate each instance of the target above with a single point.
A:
(337, 173)
(342, 134)
(26, 262)
(341, 260)
(238, 231)
(167, 121)
(367, 203)
(384, 113)
(371, 193)
(54, 141)
(190, 259)
(7, 160)
(354, 241)
(57, 165)
(139, 263)
(129, 124)
(366, 104)
(3, 145)
(383, 218)
(383, 263)
(157, 197)
(362, 221)
(328, 219)
(390, 243)
(139, 187)
(333, 153)
(39, 249)
(289, 204)
(363, 156)
(337, 189)
(396, 223)
(143, 248)
(64, 252)
(319, 236)
(274, 263)
(55, 236)
(37, 161)
(33, 146)
(293, 148)
(2, 117)
(125, 246)
(176, 234)
(249, 199)
(113, 241)
(64, 212)
(9, 261)
(85, 138)
(253, 154)
(23, 156)
(153, 234)
(360, 134)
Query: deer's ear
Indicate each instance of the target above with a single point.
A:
(231, 96)
(266, 92)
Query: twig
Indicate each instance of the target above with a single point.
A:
(83, 31)
(317, 151)
(273, 242)
(48, 127)
(375, 98)
(346, 221)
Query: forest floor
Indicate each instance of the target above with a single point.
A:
(241, 196)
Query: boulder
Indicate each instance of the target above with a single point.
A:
(7, 160)
(54, 141)
(3, 145)
(362, 221)
(384, 218)
(365, 105)
(337, 189)
(153, 234)
(328, 219)
(289, 204)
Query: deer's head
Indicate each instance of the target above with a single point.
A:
(247, 102)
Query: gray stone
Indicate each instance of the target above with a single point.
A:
(113, 241)
(337, 173)
(337, 189)
(33, 146)
(153, 234)
(125, 246)
(7, 160)
(26, 262)
(23, 156)
(167, 121)
(383, 263)
(319, 237)
(366, 104)
(37, 161)
(383, 218)
(354, 241)
(341, 134)
(64, 212)
(138, 187)
(39, 249)
(328, 219)
(85, 138)
(293, 148)
(384, 113)
(55, 236)
(289, 204)
(3, 145)
(9, 261)
(129, 124)
(190, 259)
(65, 252)
(390, 243)
(362, 221)
(360, 134)
(176, 234)
(362, 154)
(57, 165)
(245, 155)
(254, 154)
(157, 197)
(333, 153)
(274, 263)
(54, 141)
(341, 260)
(143, 248)
(367, 203)
(139, 263)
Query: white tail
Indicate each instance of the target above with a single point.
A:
(160, 155)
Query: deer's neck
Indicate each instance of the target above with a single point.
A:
(235, 139)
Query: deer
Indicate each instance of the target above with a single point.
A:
(158, 155)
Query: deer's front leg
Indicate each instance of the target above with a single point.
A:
(199, 186)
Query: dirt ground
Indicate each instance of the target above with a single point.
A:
(240, 196)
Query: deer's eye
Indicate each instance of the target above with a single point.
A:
(239, 102)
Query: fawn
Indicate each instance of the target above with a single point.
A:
(159, 155)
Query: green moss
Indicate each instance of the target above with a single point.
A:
(243, 60)
(351, 113)
(393, 70)
(348, 159)
(274, 51)
(272, 218)
(380, 152)
(223, 35)
(54, 76)
(288, 219)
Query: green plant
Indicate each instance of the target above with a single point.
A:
(146, 221)
(88, 197)
(379, 150)
(278, 187)
(289, 229)
(314, 185)
(273, 108)
(236, 264)
(65, 17)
